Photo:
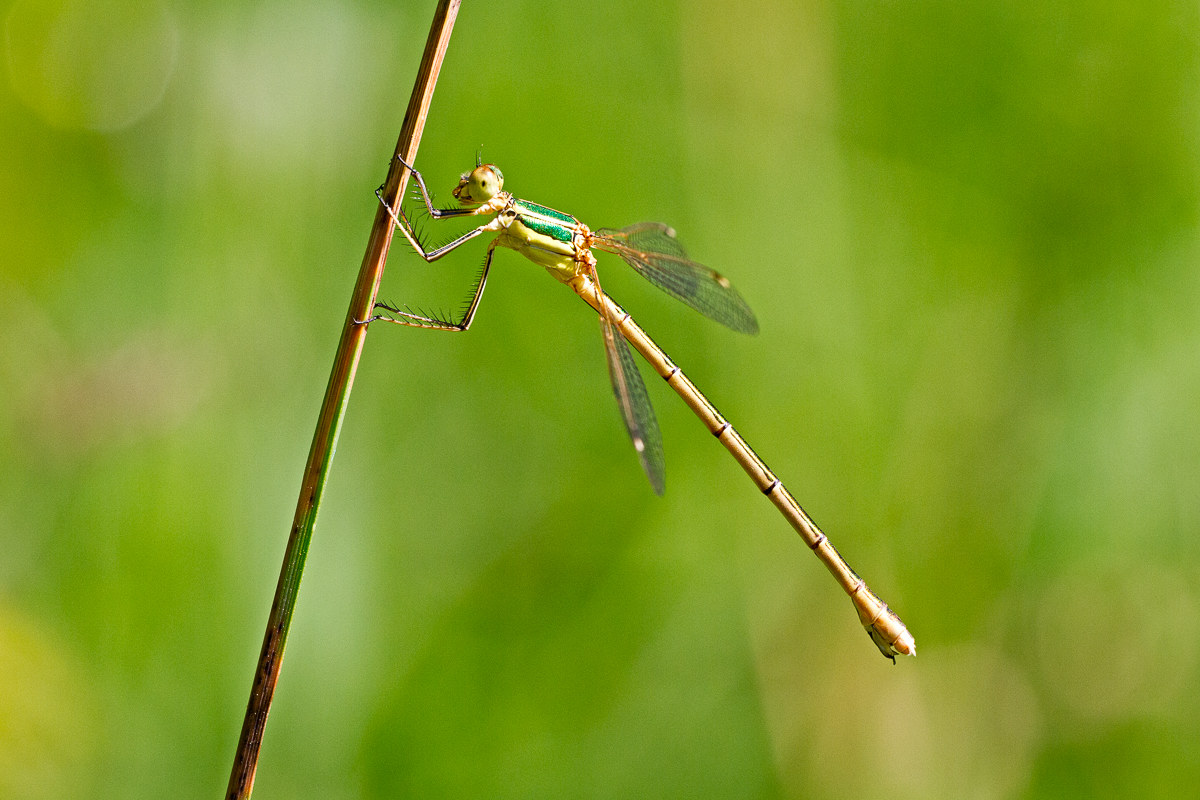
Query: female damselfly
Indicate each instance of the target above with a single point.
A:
(563, 245)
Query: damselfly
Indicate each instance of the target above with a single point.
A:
(563, 245)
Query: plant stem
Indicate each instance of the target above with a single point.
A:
(333, 408)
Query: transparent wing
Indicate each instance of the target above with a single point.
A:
(652, 249)
(635, 405)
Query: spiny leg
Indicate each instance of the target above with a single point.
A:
(405, 316)
(405, 227)
(436, 213)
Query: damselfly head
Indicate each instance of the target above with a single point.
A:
(479, 185)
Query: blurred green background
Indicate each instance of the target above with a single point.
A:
(970, 231)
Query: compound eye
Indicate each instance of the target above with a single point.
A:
(487, 181)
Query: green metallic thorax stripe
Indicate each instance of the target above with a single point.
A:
(547, 228)
(542, 211)
(546, 221)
